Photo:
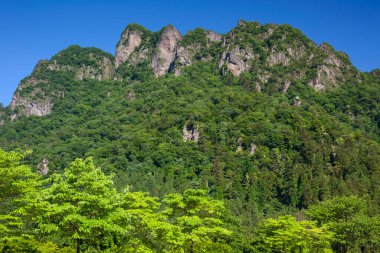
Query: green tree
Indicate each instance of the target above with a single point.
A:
(18, 186)
(80, 205)
(287, 235)
(200, 219)
(348, 218)
(148, 229)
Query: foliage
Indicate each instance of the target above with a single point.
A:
(200, 220)
(286, 234)
(350, 221)
(79, 205)
(18, 186)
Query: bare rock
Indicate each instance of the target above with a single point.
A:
(257, 88)
(252, 149)
(237, 60)
(130, 40)
(278, 58)
(54, 66)
(14, 117)
(239, 145)
(104, 71)
(26, 106)
(213, 36)
(286, 86)
(326, 75)
(43, 166)
(184, 56)
(296, 53)
(165, 50)
(297, 101)
(131, 95)
(190, 133)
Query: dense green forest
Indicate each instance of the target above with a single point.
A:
(197, 162)
(81, 210)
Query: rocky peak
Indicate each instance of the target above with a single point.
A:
(165, 51)
(131, 39)
(36, 94)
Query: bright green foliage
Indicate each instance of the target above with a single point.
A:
(287, 235)
(200, 220)
(79, 206)
(148, 229)
(349, 219)
(18, 186)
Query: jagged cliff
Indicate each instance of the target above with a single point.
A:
(270, 53)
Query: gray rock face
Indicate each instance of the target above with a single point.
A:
(165, 50)
(276, 58)
(213, 36)
(129, 41)
(285, 87)
(297, 101)
(239, 145)
(43, 166)
(131, 95)
(29, 107)
(237, 60)
(184, 56)
(190, 133)
(104, 71)
(331, 72)
(252, 149)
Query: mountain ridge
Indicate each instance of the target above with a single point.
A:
(267, 52)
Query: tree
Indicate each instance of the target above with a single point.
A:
(200, 219)
(287, 235)
(348, 218)
(148, 229)
(80, 205)
(18, 186)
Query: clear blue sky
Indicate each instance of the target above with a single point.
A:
(37, 29)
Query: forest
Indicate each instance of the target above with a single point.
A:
(80, 210)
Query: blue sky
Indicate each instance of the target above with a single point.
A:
(37, 29)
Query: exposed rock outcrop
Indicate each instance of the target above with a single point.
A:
(131, 95)
(252, 149)
(190, 133)
(103, 71)
(297, 101)
(213, 36)
(43, 166)
(239, 145)
(335, 69)
(237, 60)
(28, 107)
(286, 86)
(130, 40)
(276, 58)
(165, 50)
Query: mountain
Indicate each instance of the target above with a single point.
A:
(260, 116)
(267, 53)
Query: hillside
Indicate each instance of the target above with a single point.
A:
(260, 117)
